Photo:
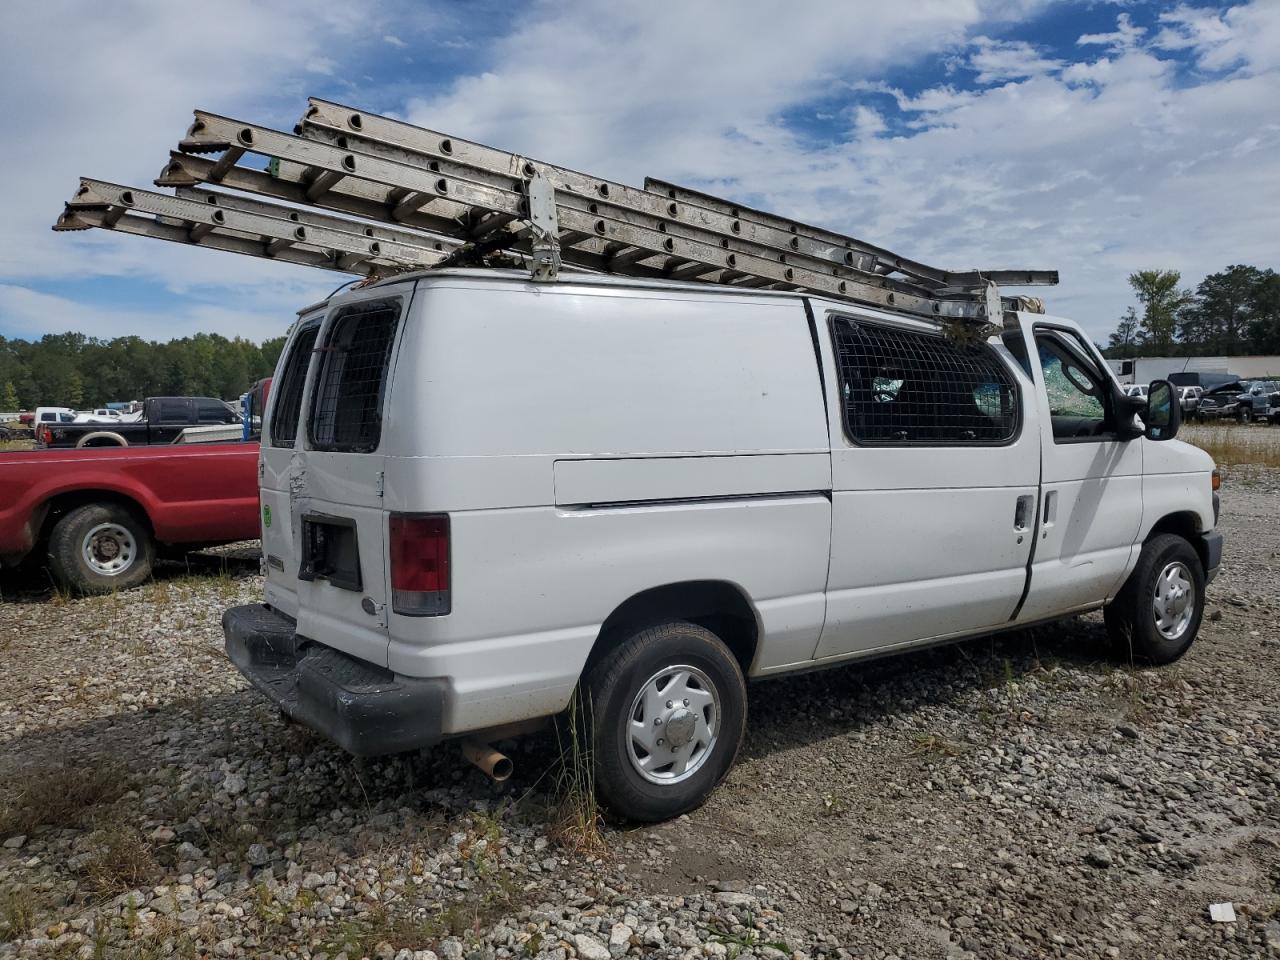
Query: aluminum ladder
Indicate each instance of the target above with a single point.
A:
(361, 193)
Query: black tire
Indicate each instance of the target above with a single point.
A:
(614, 684)
(123, 539)
(1131, 618)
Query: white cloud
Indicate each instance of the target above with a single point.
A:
(1124, 37)
(395, 41)
(868, 122)
(998, 60)
(1247, 36)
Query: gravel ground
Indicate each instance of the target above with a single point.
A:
(1017, 796)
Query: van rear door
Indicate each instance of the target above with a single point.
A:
(276, 464)
(336, 510)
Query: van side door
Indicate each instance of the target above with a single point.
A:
(935, 458)
(1092, 479)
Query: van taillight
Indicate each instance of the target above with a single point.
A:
(419, 564)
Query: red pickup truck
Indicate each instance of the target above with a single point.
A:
(101, 513)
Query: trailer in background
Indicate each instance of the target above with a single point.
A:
(1207, 372)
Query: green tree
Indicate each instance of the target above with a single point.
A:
(1161, 299)
(1123, 342)
(1264, 319)
(1219, 317)
(9, 400)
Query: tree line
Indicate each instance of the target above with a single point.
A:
(1235, 312)
(73, 370)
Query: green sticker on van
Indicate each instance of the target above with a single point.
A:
(266, 514)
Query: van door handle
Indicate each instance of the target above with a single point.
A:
(1050, 508)
(1022, 511)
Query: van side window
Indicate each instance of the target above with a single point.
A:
(288, 405)
(922, 389)
(346, 406)
(1077, 393)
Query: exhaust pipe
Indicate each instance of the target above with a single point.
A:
(496, 766)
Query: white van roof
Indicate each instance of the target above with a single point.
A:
(566, 278)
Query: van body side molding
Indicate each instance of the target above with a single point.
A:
(694, 478)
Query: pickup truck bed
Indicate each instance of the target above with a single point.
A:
(100, 513)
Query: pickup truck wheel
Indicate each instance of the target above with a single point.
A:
(668, 709)
(100, 547)
(1156, 615)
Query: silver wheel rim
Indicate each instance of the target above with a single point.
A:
(673, 724)
(1175, 600)
(109, 549)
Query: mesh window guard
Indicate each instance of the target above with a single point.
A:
(283, 427)
(346, 407)
(908, 388)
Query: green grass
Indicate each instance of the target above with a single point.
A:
(122, 861)
(498, 897)
(17, 914)
(59, 797)
(577, 819)
(748, 940)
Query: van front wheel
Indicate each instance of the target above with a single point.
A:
(1156, 615)
(668, 709)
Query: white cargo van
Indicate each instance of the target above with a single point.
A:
(480, 492)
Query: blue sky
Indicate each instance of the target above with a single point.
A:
(1093, 137)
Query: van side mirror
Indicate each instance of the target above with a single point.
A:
(1163, 415)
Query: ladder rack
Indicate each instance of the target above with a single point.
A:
(401, 197)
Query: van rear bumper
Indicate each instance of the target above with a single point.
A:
(367, 710)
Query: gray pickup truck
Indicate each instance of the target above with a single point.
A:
(1258, 400)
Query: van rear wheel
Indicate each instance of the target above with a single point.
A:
(1156, 615)
(668, 710)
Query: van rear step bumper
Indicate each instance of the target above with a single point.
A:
(367, 710)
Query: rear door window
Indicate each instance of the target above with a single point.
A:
(346, 403)
(288, 405)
